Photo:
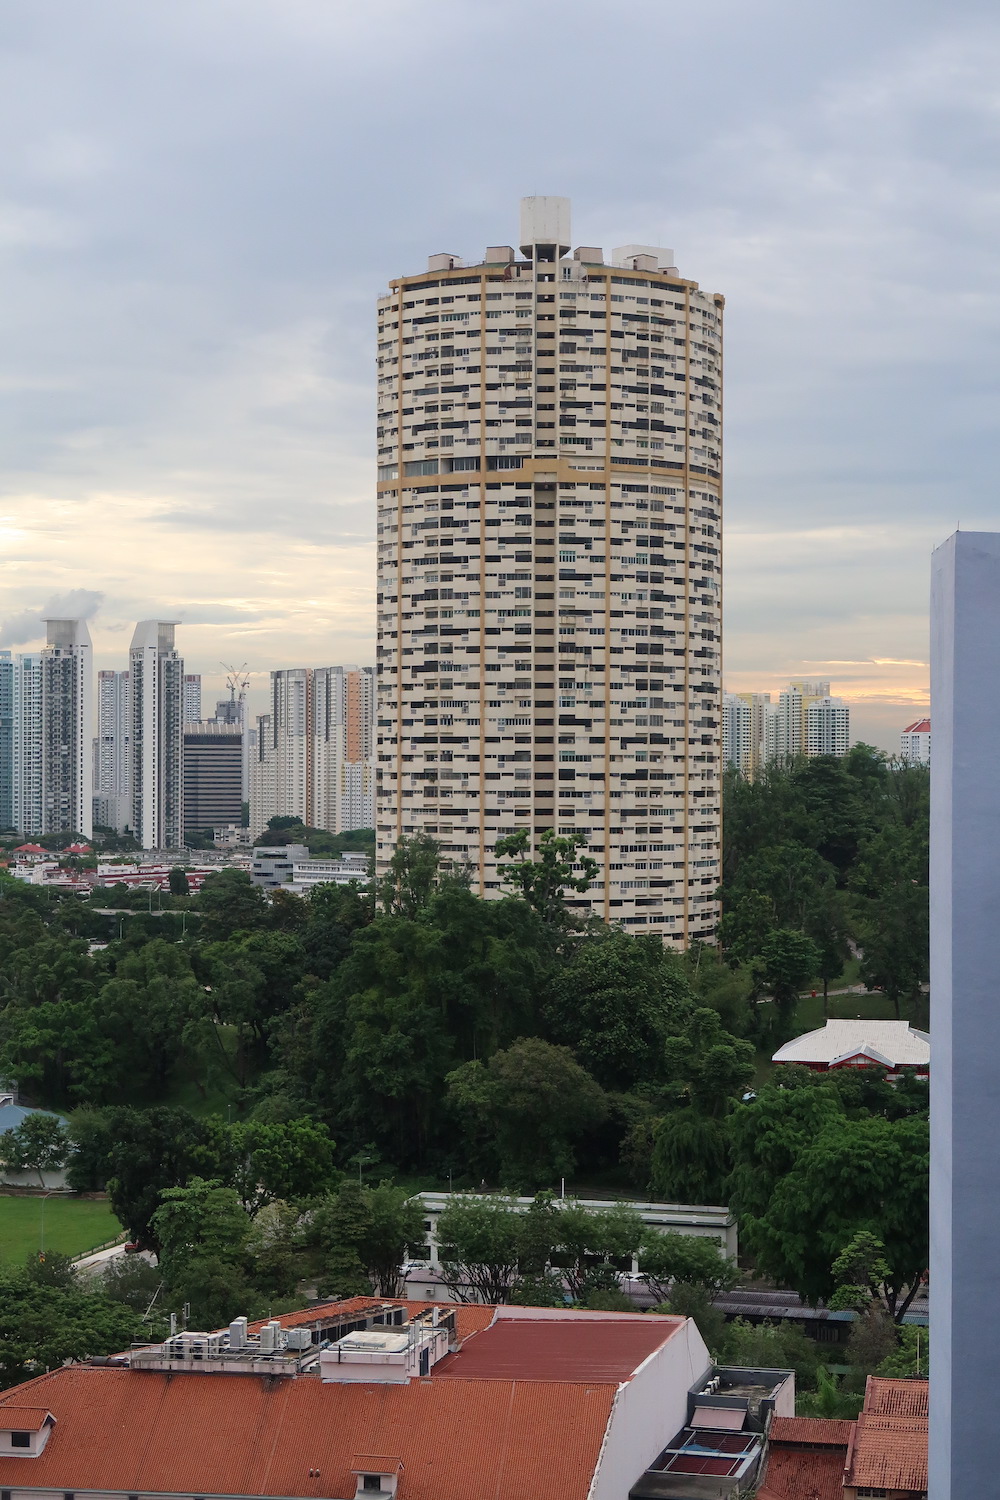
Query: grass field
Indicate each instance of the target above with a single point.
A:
(72, 1225)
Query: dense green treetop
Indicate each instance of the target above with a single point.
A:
(42, 1325)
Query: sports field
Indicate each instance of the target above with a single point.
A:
(72, 1225)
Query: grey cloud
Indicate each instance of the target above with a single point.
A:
(18, 630)
(76, 604)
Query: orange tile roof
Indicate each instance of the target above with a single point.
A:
(794, 1474)
(890, 1453)
(557, 1349)
(144, 1431)
(903, 1398)
(890, 1444)
(469, 1317)
(29, 1419)
(811, 1431)
(375, 1463)
(805, 1459)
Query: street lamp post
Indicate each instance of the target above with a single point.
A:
(41, 1227)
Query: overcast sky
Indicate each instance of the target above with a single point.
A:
(201, 199)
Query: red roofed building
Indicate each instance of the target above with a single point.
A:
(365, 1397)
(883, 1453)
(889, 1453)
(805, 1459)
(915, 742)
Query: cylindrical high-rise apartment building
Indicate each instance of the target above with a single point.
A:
(549, 566)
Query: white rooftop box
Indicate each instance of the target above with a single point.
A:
(545, 221)
(653, 257)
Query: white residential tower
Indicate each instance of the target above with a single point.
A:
(156, 686)
(549, 565)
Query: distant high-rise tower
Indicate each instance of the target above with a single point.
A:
(343, 724)
(67, 669)
(51, 733)
(828, 727)
(263, 777)
(112, 756)
(806, 721)
(192, 697)
(744, 717)
(6, 741)
(313, 757)
(213, 775)
(157, 729)
(27, 745)
(549, 566)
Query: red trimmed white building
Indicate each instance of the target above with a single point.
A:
(915, 742)
(895, 1046)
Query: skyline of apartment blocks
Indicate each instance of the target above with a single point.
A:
(806, 720)
(313, 754)
(112, 751)
(549, 568)
(157, 734)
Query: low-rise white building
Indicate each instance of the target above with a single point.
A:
(291, 867)
(895, 1046)
(705, 1221)
(342, 870)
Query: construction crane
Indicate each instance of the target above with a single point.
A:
(237, 681)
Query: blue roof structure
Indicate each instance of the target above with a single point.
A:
(13, 1115)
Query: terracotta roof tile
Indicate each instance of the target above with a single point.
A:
(811, 1431)
(375, 1463)
(793, 1474)
(890, 1453)
(469, 1318)
(890, 1445)
(540, 1349)
(14, 1416)
(805, 1459)
(904, 1398)
(117, 1430)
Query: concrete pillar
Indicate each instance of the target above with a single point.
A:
(965, 1016)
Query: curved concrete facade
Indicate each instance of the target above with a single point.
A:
(549, 566)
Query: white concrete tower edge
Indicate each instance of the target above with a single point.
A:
(965, 1017)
